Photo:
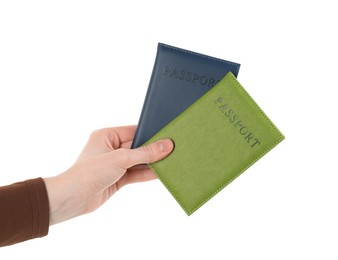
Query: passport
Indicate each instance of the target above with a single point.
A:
(178, 79)
(216, 139)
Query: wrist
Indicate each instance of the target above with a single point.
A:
(64, 200)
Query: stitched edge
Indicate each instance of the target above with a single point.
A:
(280, 136)
(237, 65)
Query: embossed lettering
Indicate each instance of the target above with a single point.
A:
(196, 77)
(204, 80)
(237, 123)
(189, 76)
(166, 70)
(223, 108)
(219, 100)
(248, 137)
(243, 130)
(256, 142)
(211, 83)
(182, 74)
(173, 73)
(229, 113)
(233, 118)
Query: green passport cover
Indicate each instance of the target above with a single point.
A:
(216, 139)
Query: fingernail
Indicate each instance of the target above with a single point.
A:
(166, 145)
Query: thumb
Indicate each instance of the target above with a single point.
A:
(146, 154)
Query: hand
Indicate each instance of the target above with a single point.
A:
(104, 166)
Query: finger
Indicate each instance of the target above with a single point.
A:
(126, 144)
(118, 135)
(140, 175)
(126, 158)
(125, 133)
(137, 175)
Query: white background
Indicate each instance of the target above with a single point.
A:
(70, 67)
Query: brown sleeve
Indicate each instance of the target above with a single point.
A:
(24, 211)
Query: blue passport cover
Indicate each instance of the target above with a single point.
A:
(179, 78)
